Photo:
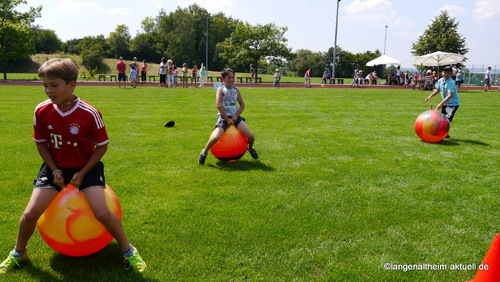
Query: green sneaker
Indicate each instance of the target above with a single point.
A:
(135, 262)
(12, 261)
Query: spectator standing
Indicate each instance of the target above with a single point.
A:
(355, 80)
(277, 78)
(170, 73)
(488, 77)
(163, 72)
(134, 63)
(144, 70)
(307, 77)
(176, 72)
(121, 67)
(454, 72)
(202, 75)
(184, 75)
(459, 80)
(252, 74)
(194, 75)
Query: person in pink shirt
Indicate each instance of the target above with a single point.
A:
(121, 67)
(307, 76)
(144, 70)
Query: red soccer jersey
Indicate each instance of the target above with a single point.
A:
(71, 135)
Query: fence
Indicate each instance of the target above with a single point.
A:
(475, 75)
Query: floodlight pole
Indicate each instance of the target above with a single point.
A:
(206, 59)
(385, 40)
(335, 46)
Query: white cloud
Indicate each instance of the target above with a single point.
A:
(402, 33)
(486, 10)
(453, 11)
(406, 21)
(377, 12)
(77, 6)
(120, 11)
(157, 4)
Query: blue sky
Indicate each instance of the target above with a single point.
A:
(311, 24)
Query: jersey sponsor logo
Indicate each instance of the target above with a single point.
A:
(56, 140)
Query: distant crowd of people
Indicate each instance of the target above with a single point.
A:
(169, 75)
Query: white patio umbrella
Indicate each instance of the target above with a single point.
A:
(383, 60)
(438, 59)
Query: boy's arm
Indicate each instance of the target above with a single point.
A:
(242, 106)
(48, 158)
(448, 98)
(436, 91)
(94, 159)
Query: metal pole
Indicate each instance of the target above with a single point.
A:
(385, 40)
(335, 47)
(206, 59)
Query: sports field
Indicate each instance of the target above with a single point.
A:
(343, 188)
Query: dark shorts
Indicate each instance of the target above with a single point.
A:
(449, 111)
(162, 78)
(95, 177)
(221, 122)
(122, 76)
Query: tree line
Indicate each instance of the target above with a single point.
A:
(181, 35)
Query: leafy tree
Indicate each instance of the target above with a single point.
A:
(46, 41)
(16, 36)
(305, 59)
(119, 41)
(250, 44)
(219, 28)
(441, 35)
(149, 25)
(72, 46)
(181, 38)
(92, 57)
(146, 46)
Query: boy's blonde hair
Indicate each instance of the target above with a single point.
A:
(65, 69)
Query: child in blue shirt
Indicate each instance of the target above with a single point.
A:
(451, 101)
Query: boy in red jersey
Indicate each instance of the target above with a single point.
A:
(71, 139)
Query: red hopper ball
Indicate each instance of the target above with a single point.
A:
(69, 227)
(231, 146)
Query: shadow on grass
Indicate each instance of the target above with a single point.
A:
(242, 165)
(458, 142)
(105, 265)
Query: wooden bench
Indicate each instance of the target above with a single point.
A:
(102, 76)
(153, 77)
(339, 81)
(247, 79)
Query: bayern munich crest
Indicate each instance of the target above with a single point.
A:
(74, 128)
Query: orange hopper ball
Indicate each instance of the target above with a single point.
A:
(432, 126)
(231, 146)
(69, 227)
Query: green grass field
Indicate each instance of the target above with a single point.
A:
(343, 186)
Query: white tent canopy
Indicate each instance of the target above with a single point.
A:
(437, 59)
(383, 60)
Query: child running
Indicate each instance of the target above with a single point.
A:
(227, 98)
(71, 139)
